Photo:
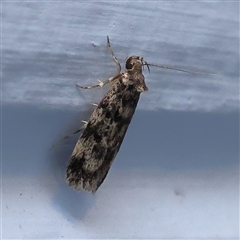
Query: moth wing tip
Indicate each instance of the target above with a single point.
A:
(79, 186)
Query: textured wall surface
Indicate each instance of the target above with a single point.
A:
(176, 175)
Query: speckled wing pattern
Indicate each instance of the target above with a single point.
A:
(101, 140)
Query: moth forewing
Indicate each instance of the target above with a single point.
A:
(101, 140)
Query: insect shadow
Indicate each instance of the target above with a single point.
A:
(69, 202)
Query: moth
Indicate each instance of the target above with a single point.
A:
(103, 134)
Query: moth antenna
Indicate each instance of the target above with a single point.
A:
(178, 69)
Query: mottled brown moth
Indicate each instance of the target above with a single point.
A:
(103, 134)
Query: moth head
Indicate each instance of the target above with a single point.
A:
(135, 64)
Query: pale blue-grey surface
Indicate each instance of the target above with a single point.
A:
(177, 173)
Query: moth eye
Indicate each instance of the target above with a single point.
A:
(129, 65)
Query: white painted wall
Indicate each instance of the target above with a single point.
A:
(176, 175)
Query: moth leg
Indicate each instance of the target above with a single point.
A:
(100, 84)
(94, 104)
(114, 57)
(77, 131)
(70, 135)
(84, 125)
